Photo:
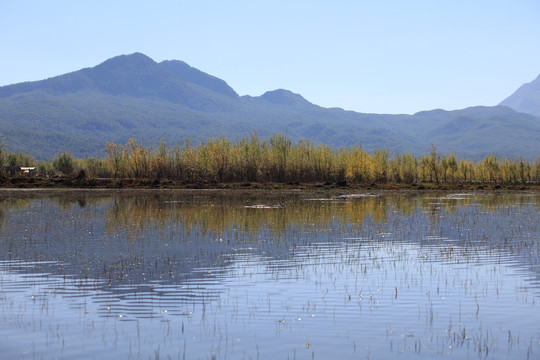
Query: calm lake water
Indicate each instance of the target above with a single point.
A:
(269, 275)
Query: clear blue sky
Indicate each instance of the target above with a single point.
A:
(369, 56)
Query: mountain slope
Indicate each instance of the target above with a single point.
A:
(136, 75)
(197, 77)
(526, 99)
(134, 96)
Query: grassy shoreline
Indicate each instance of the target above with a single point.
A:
(110, 183)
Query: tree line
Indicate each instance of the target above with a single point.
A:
(278, 159)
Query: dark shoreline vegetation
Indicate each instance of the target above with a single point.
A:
(276, 162)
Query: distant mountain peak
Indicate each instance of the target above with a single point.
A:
(135, 75)
(132, 60)
(133, 95)
(526, 99)
(284, 97)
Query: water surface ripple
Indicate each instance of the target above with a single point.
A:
(264, 275)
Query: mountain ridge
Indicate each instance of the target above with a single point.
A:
(526, 98)
(134, 96)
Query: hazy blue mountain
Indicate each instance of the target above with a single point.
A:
(197, 77)
(284, 97)
(134, 96)
(526, 99)
(136, 76)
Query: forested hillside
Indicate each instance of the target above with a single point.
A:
(132, 96)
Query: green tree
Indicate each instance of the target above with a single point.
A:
(2, 153)
(46, 168)
(65, 163)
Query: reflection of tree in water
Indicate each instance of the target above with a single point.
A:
(174, 238)
(8, 203)
(219, 214)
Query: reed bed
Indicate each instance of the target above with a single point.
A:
(279, 159)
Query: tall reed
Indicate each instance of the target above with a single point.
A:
(279, 159)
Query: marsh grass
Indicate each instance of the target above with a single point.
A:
(276, 159)
(209, 274)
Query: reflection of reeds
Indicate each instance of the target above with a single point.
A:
(218, 211)
(226, 263)
(222, 211)
(175, 231)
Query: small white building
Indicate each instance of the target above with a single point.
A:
(28, 171)
(20, 170)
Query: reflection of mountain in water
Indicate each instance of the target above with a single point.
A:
(169, 246)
